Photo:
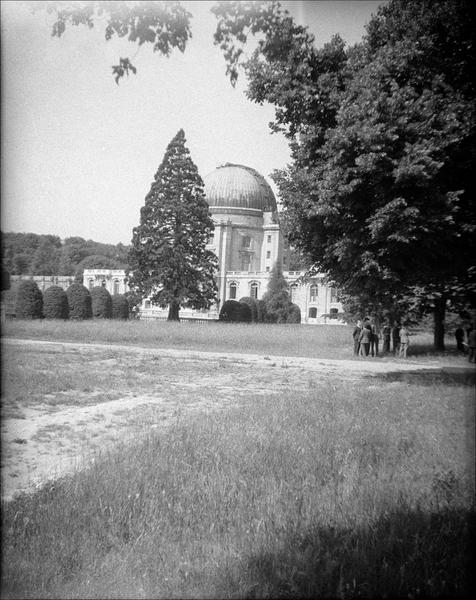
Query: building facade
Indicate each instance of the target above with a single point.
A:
(247, 241)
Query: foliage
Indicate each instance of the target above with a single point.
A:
(380, 190)
(55, 303)
(101, 303)
(251, 302)
(168, 260)
(120, 307)
(233, 311)
(32, 254)
(294, 314)
(79, 302)
(166, 25)
(29, 301)
(276, 299)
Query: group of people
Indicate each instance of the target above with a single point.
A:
(367, 336)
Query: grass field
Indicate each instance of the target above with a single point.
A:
(340, 489)
(323, 341)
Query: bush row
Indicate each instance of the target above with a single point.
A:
(249, 310)
(77, 302)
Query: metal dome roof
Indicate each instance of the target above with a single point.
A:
(237, 186)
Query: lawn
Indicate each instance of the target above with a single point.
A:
(336, 488)
(318, 341)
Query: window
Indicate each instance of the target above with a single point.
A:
(268, 254)
(246, 242)
(116, 286)
(313, 293)
(333, 292)
(294, 290)
(312, 312)
(254, 290)
(269, 239)
(267, 268)
(233, 287)
(103, 283)
(211, 238)
(91, 284)
(146, 303)
(333, 313)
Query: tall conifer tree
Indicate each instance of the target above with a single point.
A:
(169, 262)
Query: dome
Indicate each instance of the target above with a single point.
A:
(236, 186)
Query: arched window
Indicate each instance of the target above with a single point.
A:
(233, 288)
(116, 286)
(333, 313)
(294, 291)
(254, 290)
(313, 293)
(312, 312)
(103, 283)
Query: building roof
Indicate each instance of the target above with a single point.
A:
(237, 186)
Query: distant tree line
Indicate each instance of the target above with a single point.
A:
(33, 254)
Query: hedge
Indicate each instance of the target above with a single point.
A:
(79, 302)
(251, 302)
(29, 301)
(294, 314)
(120, 307)
(101, 303)
(233, 311)
(55, 303)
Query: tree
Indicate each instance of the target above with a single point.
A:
(168, 260)
(380, 190)
(101, 303)
(29, 301)
(79, 302)
(45, 259)
(166, 25)
(55, 303)
(120, 307)
(277, 300)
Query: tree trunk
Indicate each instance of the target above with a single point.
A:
(439, 324)
(174, 308)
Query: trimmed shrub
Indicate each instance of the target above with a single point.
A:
(120, 307)
(260, 311)
(55, 303)
(29, 301)
(294, 314)
(251, 302)
(101, 303)
(233, 311)
(79, 301)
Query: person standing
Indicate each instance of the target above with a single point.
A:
(364, 339)
(459, 336)
(396, 337)
(374, 338)
(356, 335)
(404, 341)
(387, 334)
(472, 345)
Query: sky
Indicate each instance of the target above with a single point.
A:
(79, 153)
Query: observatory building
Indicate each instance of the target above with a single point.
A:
(247, 241)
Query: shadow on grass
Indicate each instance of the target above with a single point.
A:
(441, 376)
(403, 555)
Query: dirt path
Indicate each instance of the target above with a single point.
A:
(60, 431)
